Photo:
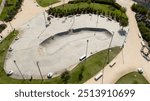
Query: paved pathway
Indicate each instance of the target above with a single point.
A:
(130, 58)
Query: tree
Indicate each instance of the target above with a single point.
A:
(80, 77)
(65, 76)
(123, 22)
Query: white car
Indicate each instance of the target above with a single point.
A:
(9, 73)
(140, 70)
(98, 76)
(49, 75)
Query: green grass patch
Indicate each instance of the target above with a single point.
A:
(103, 7)
(4, 45)
(0, 2)
(94, 8)
(45, 3)
(81, 73)
(10, 9)
(87, 68)
(132, 78)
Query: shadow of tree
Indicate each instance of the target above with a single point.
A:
(122, 32)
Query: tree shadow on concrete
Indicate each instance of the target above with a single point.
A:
(122, 32)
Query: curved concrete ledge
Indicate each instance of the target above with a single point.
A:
(74, 31)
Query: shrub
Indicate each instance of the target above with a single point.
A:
(139, 9)
(145, 31)
(12, 11)
(65, 11)
(2, 27)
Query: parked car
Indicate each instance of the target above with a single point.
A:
(112, 63)
(140, 70)
(82, 57)
(98, 76)
(49, 75)
(9, 73)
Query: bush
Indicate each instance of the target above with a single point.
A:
(139, 9)
(65, 11)
(108, 2)
(145, 31)
(13, 10)
(65, 76)
(2, 27)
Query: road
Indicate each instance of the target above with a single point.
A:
(130, 58)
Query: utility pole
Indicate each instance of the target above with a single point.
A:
(39, 70)
(19, 70)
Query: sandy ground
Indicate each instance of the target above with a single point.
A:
(130, 58)
(62, 52)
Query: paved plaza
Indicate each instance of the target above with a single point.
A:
(36, 47)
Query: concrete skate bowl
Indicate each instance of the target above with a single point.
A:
(63, 50)
(70, 32)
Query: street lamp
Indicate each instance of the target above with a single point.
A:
(109, 48)
(39, 69)
(45, 18)
(124, 40)
(19, 70)
(86, 47)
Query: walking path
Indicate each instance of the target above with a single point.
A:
(130, 58)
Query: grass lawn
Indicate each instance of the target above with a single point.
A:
(45, 3)
(0, 2)
(132, 78)
(10, 10)
(104, 7)
(86, 69)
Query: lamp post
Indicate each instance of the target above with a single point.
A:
(110, 47)
(39, 70)
(19, 69)
(45, 18)
(123, 47)
(86, 47)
